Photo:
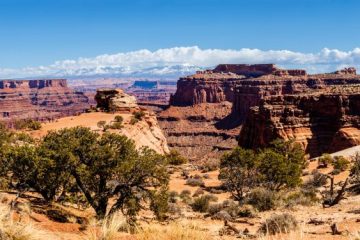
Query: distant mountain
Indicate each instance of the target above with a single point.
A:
(158, 72)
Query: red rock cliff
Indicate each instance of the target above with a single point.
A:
(320, 111)
(39, 99)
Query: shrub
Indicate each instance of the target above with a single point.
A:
(133, 121)
(246, 211)
(139, 115)
(324, 160)
(304, 198)
(202, 203)
(116, 125)
(27, 124)
(355, 170)
(101, 124)
(262, 199)
(215, 208)
(317, 179)
(341, 163)
(185, 195)
(119, 119)
(34, 125)
(282, 223)
(175, 158)
(173, 196)
(211, 164)
(195, 182)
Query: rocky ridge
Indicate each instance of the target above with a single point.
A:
(320, 111)
(40, 100)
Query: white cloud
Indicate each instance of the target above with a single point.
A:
(183, 60)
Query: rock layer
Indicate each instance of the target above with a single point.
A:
(39, 100)
(320, 111)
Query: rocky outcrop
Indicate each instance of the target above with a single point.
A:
(320, 111)
(145, 132)
(115, 100)
(39, 100)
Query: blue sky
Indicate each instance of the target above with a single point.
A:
(40, 32)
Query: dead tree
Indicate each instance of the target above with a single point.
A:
(333, 199)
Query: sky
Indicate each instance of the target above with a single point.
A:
(67, 37)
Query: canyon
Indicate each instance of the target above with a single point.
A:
(42, 100)
(251, 105)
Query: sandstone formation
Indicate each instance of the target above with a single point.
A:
(39, 100)
(115, 100)
(320, 111)
(146, 132)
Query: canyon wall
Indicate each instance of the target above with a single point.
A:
(320, 111)
(40, 100)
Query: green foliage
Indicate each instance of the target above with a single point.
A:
(277, 167)
(262, 199)
(102, 167)
(116, 125)
(202, 203)
(281, 165)
(30, 124)
(119, 119)
(139, 115)
(325, 160)
(282, 223)
(159, 204)
(340, 163)
(101, 124)
(133, 120)
(239, 171)
(175, 158)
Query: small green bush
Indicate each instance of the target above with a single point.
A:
(282, 223)
(116, 125)
(262, 199)
(101, 124)
(119, 119)
(324, 160)
(175, 158)
(139, 115)
(133, 121)
(27, 124)
(185, 195)
(341, 163)
(202, 203)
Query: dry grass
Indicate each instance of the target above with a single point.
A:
(299, 234)
(17, 230)
(109, 228)
(173, 231)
